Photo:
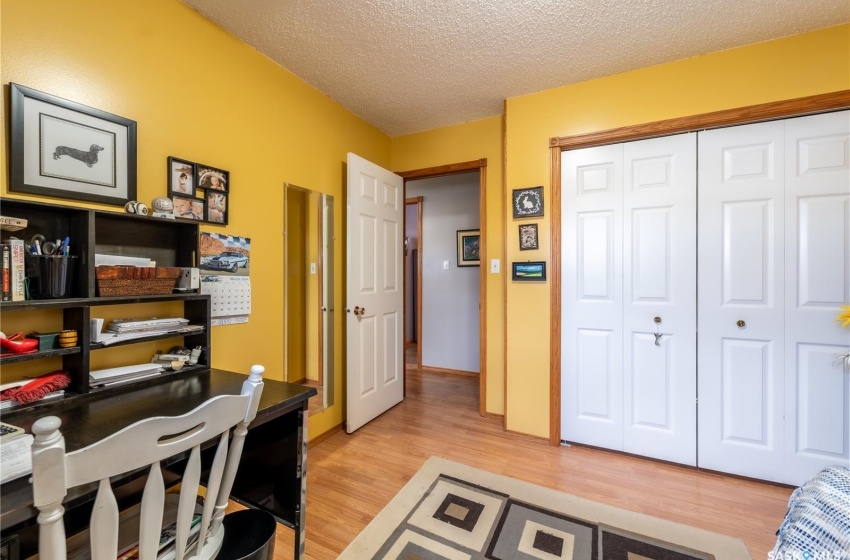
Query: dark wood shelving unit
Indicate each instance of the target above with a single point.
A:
(91, 232)
(38, 355)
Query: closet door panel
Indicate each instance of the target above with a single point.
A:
(740, 302)
(592, 393)
(659, 279)
(817, 220)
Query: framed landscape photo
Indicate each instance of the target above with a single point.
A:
(469, 247)
(181, 177)
(528, 202)
(527, 237)
(64, 149)
(530, 271)
(213, 178)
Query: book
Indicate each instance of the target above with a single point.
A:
(7, 273)
(17, 266)
(12, 224)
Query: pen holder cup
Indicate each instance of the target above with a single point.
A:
(50, 276)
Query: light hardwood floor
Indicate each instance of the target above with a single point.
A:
(350, 478)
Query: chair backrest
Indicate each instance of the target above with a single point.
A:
(145, 444)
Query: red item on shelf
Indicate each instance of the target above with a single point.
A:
(37, 388)
(19, 346)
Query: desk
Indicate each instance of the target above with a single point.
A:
(271, 475)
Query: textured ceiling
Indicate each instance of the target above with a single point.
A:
(412, 65)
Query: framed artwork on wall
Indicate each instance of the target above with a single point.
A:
(469, 247)
(64, 149)
(181, 177)
(528, 202)
(530, 271)
(199, 192)
(527, 237)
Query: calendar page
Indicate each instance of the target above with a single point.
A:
(230, 298)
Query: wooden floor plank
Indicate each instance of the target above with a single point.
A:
(352, 477)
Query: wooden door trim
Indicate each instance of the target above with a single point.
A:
(440, 170)
(321, 292)
(479, 165)
(800, 106)
(418, 201)
(717, 119)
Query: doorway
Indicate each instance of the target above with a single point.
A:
(449, 330)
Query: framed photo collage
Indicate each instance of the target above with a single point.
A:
(199, 192)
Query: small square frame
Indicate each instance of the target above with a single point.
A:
(528, 271)
(469, 247)
(528, 237)
(528, 202)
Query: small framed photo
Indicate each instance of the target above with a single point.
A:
(216, 207)
(68, 150)
(469, 247)
(528, 202)
(181, 177)
(213, 178)
(188, 208)
(527, 237)
(531, 271)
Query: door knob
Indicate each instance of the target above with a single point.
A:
(324, 309)
(657, 320)
(741, 324)
(359, 310)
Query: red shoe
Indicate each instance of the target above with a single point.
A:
(21, 346)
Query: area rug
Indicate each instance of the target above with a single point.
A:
(451, 511)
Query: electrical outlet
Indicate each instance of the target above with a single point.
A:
(445, 265)
(495, 266)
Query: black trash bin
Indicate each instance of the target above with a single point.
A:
(248, 535)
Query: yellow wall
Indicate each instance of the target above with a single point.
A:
(802, 65)
(798, 66)
(203, 95)
(455, 144)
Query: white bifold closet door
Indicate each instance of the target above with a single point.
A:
(629, 273)
(773, 269)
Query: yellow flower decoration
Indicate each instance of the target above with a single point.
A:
(843, 316)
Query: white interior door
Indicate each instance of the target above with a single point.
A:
(374, 298)
(740, 304)
(817, 272)
(592, 296)
(659, 284)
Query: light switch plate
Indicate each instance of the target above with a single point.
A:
(312, 268)
(445, 265)
(495, 266)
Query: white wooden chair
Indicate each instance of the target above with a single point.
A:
(140, 445)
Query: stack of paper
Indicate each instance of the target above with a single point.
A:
(126, 325)
(123, 374)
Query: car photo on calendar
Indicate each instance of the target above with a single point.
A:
(225, 254)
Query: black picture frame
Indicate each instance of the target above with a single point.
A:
(528, 271)
(469, 247)
(189, 208)
(207, 176)
(528, 202)
(215, 203)
(178, 185)
(49, 137)
(528, 237)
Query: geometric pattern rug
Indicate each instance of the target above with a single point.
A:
(450, 511)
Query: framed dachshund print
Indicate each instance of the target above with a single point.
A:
(528, 202)
(64, 149)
